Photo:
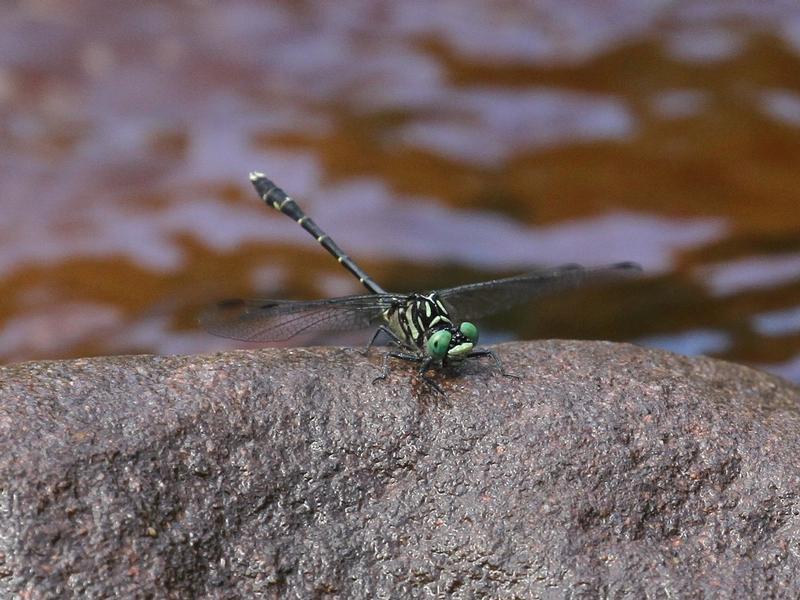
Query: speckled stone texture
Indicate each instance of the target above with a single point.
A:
(606, 471)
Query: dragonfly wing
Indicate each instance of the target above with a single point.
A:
(479, 299)
(260, 320)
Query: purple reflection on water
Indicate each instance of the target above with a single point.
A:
(157, 334)
(115, 225)
(705, 44)
(487, 126)
(364, 214)
(778, 322)
(380, 224)
(51, 329)
(782, 105)
(745, 274)
(694, 342)
(680, 103)
(788, 370)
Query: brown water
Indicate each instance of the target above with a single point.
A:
(438, 143)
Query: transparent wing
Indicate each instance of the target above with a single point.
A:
(273, 320)
(479, 299)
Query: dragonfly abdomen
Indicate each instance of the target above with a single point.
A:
(282, 202)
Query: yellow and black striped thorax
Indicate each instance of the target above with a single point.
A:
(414, 319)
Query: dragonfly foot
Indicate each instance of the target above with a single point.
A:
(433, 385)
(385, 363)
(497, 361)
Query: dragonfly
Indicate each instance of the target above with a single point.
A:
(435, 329)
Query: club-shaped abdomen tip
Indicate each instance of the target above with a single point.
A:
(256, 175)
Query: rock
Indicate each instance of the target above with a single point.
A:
(608, 470)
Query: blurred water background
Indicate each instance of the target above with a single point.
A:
(438, 142)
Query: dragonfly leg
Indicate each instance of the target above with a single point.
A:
(385, 364)
(426, 363)
(378, 331)
(497, 361)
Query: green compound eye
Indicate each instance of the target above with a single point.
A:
(469, 331)
(438, 343)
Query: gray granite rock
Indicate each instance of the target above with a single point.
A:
(606, 471)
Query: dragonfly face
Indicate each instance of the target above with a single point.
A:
(452, 343)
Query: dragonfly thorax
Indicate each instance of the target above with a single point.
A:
(422, 322)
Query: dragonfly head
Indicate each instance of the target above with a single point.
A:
(451, 342)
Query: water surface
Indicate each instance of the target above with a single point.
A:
(438, 143)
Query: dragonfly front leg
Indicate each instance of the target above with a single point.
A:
(385, 364)
(378, 331)
(426, 364)
(497, 361)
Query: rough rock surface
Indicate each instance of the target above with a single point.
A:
(606, 471)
